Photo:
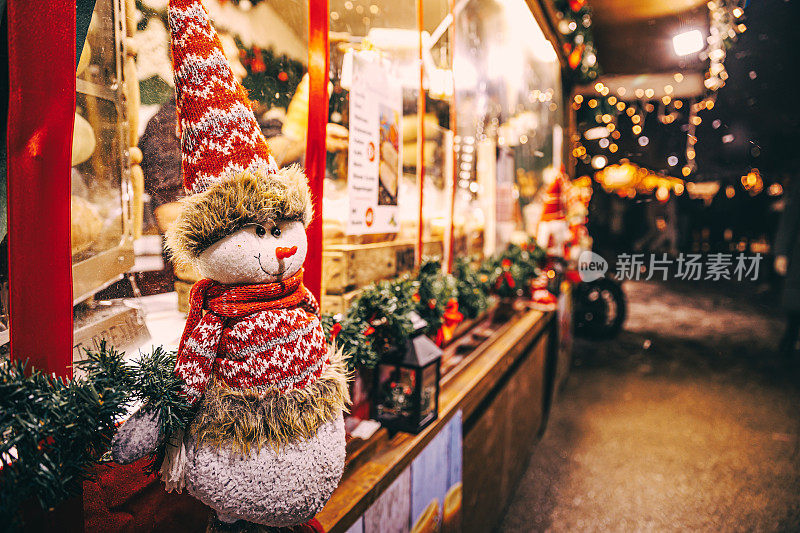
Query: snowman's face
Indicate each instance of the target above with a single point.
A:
(256, 254)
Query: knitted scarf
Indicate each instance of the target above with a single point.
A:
(236, 301)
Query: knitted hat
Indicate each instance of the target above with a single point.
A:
(219, 132)
(228, 171)
(553, 205)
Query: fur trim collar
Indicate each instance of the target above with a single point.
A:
(249, 420)
(228, 206)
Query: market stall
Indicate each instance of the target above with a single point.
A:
(432, 136)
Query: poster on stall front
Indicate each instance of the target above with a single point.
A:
(374, 165)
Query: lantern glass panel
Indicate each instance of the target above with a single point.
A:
(428, 399)
(396, 392)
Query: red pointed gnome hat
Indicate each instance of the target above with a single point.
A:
(219, 132)
(553, 204)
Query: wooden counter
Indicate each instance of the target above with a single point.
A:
(504, 373)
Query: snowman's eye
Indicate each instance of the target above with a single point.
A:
(276, 231)
(261, 231)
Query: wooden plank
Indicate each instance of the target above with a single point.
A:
(463, 389)
(498, 440)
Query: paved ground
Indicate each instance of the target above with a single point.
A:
(687, 421)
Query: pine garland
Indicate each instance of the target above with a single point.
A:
(473, 298)
(271, 79)
(153, 382)
(54, 430)
(435, 289)
(377, 321)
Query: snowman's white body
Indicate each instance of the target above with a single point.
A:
(268, 487)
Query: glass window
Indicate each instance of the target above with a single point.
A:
(508, 96)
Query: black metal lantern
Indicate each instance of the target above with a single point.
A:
(407, 387)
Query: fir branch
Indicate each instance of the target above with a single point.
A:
(54, 430)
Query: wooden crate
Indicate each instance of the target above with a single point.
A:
(346, 267)
(338, 303)
(183, 288)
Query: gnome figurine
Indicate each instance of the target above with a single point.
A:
(267, 442)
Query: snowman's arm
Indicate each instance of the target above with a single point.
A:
(137, 437)
(196, 359)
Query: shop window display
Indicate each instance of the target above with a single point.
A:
(413, 118)
(508, 140)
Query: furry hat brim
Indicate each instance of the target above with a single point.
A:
(231, 204)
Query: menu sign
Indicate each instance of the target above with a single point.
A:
(374, 162)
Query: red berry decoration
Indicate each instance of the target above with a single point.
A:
(282, 76)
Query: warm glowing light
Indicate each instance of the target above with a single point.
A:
(599, 162)
(672, 160)
(603, 143)
(621, 91)
(649, 93)
(635, 119)
(620, 106)
(613, 148)
(578, 98)
(689, 42)
(710, 104)
(742, 28)
(690, 154)
(643, 141)
(630, 111)
(730, 192)
(678, 188)
(668, 89)
(775, 189)
(611, 127)
(696, 120)
(605, 91)
(737, 12)
(678, 77)
(662, 194)
(686, 171)
(595, 133)
(666, 99)
(612, 100)
(678, 104)
(598, 86)
(639, 93)
(616, 134)
(606, 118)
(592, 103)
(637, 129)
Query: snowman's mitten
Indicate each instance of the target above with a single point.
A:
(137, 437)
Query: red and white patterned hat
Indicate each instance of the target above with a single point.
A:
(219, 132)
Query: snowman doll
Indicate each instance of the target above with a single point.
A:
(267, 441)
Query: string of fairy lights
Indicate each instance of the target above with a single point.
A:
(641, 104)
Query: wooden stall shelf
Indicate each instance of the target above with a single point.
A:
(514, 348)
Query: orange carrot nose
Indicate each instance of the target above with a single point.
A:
(283, 253)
